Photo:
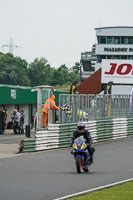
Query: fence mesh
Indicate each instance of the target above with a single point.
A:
(93, 107)
(89, 107)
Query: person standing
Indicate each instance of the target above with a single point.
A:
(22, 121)
(49, 104)
(12, 116)
(16, 125)
(2, 120)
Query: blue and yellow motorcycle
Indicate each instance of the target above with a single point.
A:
(81, 154)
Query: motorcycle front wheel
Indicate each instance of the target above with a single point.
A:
(78, 164)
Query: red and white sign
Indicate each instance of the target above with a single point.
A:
(118, 71)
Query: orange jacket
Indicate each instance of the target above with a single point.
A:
(50, 104)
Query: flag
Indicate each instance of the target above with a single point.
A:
(73, 87)
(107, 92)
(66, 108)
(72, 92)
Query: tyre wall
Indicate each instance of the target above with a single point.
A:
(58, 135)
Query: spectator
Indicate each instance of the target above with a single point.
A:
(22, 121)
(16, 125)
(2, 120)
(49, 104)
(13, 115)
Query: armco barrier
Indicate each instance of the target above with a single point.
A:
(120, 128)
(48, 139)
(58, 135)
(130, 127)
(65, 134)
(104, 130)
(29, 145)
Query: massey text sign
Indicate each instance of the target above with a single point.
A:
(118, 71)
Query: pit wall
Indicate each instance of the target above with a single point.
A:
(58, 135)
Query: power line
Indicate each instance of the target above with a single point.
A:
(10, 45)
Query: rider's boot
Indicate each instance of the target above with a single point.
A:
(91, 159)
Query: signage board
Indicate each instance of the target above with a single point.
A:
(13, 94)
(118, 71)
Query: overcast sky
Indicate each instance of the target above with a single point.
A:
(58, 30)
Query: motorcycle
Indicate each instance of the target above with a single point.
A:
(81, 154)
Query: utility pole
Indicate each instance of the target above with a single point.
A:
(10, 45)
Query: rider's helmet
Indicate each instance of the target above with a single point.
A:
(81, 126)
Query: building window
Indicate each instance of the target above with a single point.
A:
(116, 40)
(130, 41)
(116, 57)
(124, 57)
(110, 57)
(110, 40)
(103, 57)
(124, 40)
(130, 57)
(102, 40)
(100, 57)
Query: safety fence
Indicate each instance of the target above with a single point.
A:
(95, 107)
(58, 135)
(83, 107)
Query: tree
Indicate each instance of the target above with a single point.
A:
(56, 80)
(60, 75)
(76, 68)
(64, 75)
(40, 72)
(75, 72)
(13, 70)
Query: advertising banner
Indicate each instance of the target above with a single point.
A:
(107, 92)
(13, 94)
(72, 91)
(118, 71)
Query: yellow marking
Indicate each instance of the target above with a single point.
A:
(74, 146)
(83, 146)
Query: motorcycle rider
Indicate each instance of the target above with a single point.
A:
(81, 131)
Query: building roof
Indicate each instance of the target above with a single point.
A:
(91, 85)
(12, 94)
(16, 87)
(114, 27)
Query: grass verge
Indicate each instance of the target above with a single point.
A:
(119, 192)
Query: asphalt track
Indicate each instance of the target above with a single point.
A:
(52, 174)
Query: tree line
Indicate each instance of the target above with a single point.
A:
(17, 71)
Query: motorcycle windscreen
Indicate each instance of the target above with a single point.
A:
(80, 140)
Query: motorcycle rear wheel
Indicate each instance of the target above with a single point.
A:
(78, 165)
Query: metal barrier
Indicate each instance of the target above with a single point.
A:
(88, 108)
(58, 135)
(94, 107)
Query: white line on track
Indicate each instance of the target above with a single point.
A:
(94, 189)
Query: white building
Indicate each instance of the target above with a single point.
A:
(112, 43)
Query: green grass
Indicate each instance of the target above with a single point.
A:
(63, 87)
(119, 192)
